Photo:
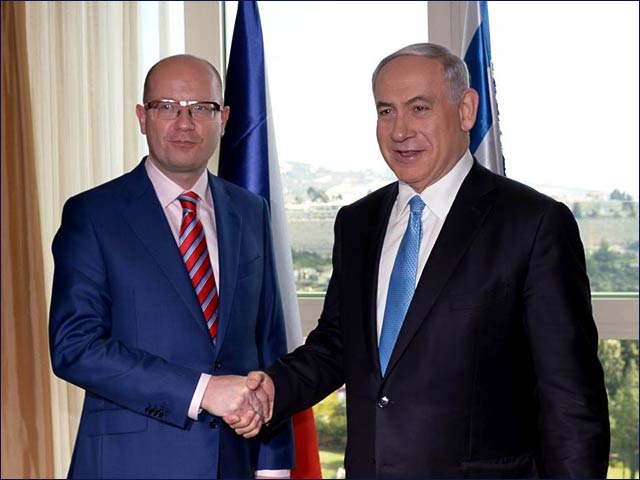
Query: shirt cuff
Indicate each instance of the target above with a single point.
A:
(273, 474)
(196, 400)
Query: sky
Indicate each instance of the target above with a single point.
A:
(568, 106)
(320, 57)
(568, 99)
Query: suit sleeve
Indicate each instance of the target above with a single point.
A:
(277, 451)
(83, 351)
(314, 370)
(574, 421)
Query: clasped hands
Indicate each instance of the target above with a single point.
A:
(244, 403)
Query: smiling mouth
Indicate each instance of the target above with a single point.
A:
(408, 154)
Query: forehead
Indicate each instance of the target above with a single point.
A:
(410, 75)
(179, 79)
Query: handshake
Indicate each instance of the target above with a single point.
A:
(244, 403)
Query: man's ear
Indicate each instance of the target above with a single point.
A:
(468, 109)
(142, 118)
(224, 117)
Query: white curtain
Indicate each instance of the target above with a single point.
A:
(87, 62)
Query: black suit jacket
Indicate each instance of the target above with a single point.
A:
(495, 371)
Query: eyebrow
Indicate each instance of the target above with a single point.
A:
(383, 104)
(421, 98)
(416, 99)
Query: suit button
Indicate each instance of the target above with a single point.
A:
(217, 365)
(213, 424)
(383, 402)
(160, 413)
(147, 410)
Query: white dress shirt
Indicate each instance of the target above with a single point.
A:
(438, 199)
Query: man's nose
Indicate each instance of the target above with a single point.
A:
(402, 129)
(184, 120)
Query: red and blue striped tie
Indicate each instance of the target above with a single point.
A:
(193, 247)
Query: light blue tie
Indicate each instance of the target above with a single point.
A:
(402, 283)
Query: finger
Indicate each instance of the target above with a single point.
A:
(263, 398)
(254, 380)
(269, 389)
(253, 426)
(256, 405)
(231, 419)
(251, 430)
(242, 420)
(252, 433)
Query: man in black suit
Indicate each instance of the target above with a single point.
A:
(493, 371)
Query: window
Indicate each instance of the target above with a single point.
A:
(161, 33)
(567, 87)
(568, 102)
(320, 57)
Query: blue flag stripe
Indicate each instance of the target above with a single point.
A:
(246, 137)
(478, 60)
(485, 143)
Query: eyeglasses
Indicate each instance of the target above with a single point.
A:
(170, 109)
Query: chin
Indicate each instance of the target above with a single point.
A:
(408, 177)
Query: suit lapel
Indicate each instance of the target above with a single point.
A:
(467, 214)
(146, 218)
(228, 226)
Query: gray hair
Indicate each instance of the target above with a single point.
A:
(455, 70)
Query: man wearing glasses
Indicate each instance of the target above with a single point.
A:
(164, 293)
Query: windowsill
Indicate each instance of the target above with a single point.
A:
(614, 295)
(616, 315)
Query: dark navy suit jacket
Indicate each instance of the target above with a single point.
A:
(126, 326)
(495, 372)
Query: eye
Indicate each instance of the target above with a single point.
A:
(383, 112)
(165, 107)
(200, 108)
(421, 108)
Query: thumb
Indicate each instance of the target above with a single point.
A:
(231, 419)
(254, 380)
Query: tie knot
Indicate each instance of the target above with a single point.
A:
(189, 201)
(416, 205)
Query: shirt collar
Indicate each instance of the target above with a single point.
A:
(439, 196)
(167, 190)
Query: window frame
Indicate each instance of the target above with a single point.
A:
(616, 317)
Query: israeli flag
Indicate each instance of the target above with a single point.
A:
(476, 45)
